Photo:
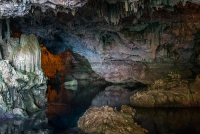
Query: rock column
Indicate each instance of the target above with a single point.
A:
(8, 28)
(0, 30)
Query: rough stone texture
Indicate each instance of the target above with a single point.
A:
(13, 8)
(169, 93)
(113, 96)
(23, 87)
(20, 8)
(108, 121)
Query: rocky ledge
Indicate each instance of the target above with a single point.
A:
(109, 121)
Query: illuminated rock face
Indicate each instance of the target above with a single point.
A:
(23, 85)
(52, 63)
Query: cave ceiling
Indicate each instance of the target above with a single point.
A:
(14, 8)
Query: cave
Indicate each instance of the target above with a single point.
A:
(99, 66)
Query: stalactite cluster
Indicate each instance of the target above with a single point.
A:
(27, 55)
(15, 8)
(115, 10)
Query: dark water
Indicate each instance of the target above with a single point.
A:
(169, 120)
(67, 106)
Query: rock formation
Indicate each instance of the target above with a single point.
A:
(23, 85)
(27, 56)
(107, 120)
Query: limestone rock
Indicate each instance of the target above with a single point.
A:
(107, 120)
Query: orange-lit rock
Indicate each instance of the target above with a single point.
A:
(52, 63)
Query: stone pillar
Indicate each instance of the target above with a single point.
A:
(8, 28)
(0, 30)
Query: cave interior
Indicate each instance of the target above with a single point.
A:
(67, 56)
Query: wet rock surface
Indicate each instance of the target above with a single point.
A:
(107, 120)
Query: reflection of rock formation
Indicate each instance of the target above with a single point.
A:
(165, 121)
(36, 124)
(109, 121)
(169, 93)
(113, 96)
(57, 94)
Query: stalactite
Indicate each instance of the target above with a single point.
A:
(27, 56)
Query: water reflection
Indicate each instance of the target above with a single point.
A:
(35, 124)
(67, 106)
(113, 96)
(169, 120)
